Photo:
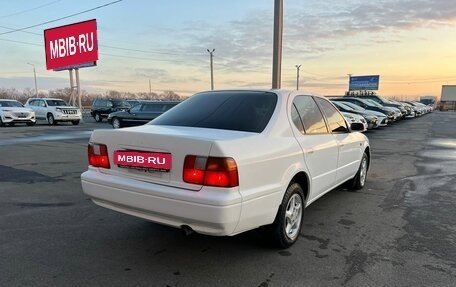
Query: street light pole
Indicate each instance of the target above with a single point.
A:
(297, 76)
(34, 75)
(277, 45)
(211, 53)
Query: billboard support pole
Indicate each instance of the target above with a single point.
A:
(78, 83)
(72, 99)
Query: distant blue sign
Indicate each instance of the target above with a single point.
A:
(362, 83)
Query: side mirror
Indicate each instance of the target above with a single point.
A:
(357, 127)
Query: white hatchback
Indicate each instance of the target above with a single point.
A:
(224, 162)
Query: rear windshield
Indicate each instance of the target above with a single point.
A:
(227, 110)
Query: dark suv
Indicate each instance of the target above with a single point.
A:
(101, 108)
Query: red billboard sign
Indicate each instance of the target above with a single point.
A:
(71, 45)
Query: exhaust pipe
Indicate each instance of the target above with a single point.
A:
(187, 230)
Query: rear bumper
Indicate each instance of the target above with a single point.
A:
(205, 211)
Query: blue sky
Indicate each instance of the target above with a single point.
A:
(410, 44)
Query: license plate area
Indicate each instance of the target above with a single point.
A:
(141, 160)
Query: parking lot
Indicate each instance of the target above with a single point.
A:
(398, 231)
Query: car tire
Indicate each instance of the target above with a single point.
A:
(359, 180)
(51, 120)
(75, 123)
(285, 229)
(98, 117)
(1, 122)
(116, 123)
(31, 124)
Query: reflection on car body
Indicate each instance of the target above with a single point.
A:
(141, 113)
(101, 108)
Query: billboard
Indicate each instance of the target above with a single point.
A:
(363, 83)
(71, 46)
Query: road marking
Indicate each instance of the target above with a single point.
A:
(64, 136)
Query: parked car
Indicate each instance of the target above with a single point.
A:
(382, 118)
(398, 114)
(354, 118)
(364, 103)
(141, 113)
(387, 103)
(54, 110)
(101, 108)
(224, 162)
(425, 108)
(13, 112)
(414, 111)
(372, 121)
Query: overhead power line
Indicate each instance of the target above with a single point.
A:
(21, 42)
(111, 47)
(31, 9)
(61, 18)
(104, 54)
(141, 58)
(28, 32)
(151, 51)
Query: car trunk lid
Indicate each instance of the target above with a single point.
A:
(171, 142)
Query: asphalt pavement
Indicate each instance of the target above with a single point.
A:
(400, 230)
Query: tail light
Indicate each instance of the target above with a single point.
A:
(211, 171)
(98, 155)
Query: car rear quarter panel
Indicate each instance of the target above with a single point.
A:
(266, 163)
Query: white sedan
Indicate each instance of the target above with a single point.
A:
(224, 162)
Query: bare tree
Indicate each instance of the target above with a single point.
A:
(170, 96)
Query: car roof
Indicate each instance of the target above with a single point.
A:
(279, 92)
(158, 102)
(53, 99)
